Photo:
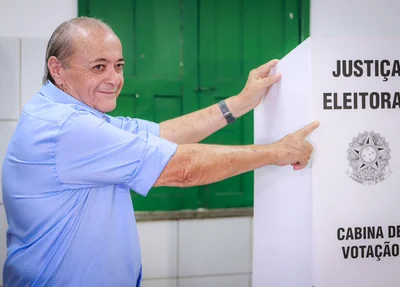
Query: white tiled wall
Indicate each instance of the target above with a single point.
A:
(38, 18)
(191, 253)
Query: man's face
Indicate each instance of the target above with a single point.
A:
(94, 73)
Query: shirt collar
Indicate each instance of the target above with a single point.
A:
(50, 91)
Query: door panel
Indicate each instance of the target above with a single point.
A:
(221, 67)
(235, 37)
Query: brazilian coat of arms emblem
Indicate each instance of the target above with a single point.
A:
(368, 156)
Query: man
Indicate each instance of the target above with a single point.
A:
(69, 166)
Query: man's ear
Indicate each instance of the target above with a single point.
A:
(55, 68)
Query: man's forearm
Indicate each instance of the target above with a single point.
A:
(199, 164)
(196, 126)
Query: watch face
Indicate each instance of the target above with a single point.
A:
(368, 154)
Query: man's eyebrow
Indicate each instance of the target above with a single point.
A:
(105, 60)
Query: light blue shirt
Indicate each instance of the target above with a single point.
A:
(67, 177)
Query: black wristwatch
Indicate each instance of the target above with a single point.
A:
(226, 112)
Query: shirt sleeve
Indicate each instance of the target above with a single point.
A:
(135, 125)
(91, 152)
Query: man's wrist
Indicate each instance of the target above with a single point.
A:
(230, 119)
(238, 106)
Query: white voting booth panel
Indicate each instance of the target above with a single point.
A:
(337, 222)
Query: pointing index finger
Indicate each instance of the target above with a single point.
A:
(308, 129)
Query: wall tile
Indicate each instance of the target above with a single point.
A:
(10, 78)
(37, 18)
(214, 246)
(251, 243)
(160, 283)
(158, 242)
(217, 281)
(33, 52)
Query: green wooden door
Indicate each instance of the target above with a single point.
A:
(235, 37)
(183, 55)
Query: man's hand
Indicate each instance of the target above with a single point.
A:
(294, 149)
(258, 84)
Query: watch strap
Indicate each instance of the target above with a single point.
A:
(226, 112)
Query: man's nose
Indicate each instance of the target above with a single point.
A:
(112, 77)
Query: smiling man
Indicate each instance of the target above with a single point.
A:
(69, 166)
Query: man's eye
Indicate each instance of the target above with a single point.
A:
(99, 67)
(121, 65)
